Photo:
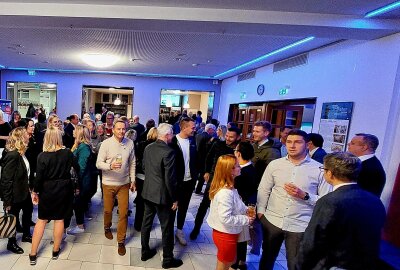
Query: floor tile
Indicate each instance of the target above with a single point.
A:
(8, 259)
(124, 267)
(85, 252)
(23, 263)
(64, 264)
(100, 239)
(109, 254)
(203, 262)
(96, 266)
(210, 249)
(136, 254)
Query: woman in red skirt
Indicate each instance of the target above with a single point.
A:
(228, 214)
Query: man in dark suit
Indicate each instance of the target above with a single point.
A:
(344, 230)
(160, 195)
(69, 130)
(186, 171)
(372, 176)
(315, 147)
(201, 143)
(137, 126)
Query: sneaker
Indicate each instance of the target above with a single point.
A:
(108, 233)
(76, 230)
(180, 236)
(32, 259)
(55, 254)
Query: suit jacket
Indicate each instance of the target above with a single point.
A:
(372, 177)
(344, 231)
(69, 137)
(160, 186)
(201, 143)
(14, 180)
(180, 162)
(319, 155)
(246, 184)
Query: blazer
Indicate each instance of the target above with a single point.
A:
(247, 185)
(180, 162)
(14, 178)
(372, 177)
(68, 133)
(319, 155)
(201, 144)
(344, 231)
(160, 185)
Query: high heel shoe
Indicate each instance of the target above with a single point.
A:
(32, 259)
(56, 254)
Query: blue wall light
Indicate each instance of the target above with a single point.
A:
(266, 56)
(1, 66)
(111, 72)
(382, 10)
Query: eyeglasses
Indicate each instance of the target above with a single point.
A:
(323, 169)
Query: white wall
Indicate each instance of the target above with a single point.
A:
(362, 72)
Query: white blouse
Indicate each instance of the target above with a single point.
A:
(227, 212)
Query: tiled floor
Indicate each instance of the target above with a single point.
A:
(91, 250)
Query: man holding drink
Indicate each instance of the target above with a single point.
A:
(287, 194)
(116, 159)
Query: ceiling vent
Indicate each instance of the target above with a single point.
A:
(246, 76)
(298, 60)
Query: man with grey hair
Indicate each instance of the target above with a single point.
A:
(202, 141)
(372, 176)
(344, 230)
(160, 195)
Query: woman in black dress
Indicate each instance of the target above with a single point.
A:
(52, 190)
(14, 184)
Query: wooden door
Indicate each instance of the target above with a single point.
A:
(245, 117)
(280, 116)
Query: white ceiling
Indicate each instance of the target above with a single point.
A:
(217, 35)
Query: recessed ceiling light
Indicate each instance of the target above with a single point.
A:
(100, 60)
(195, 65)
(209, 61)
(178, 59)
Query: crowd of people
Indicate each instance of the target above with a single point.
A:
(263, 194)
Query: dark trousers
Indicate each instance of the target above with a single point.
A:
(27, 208)
(185, 193)
(167, 218)
(200, 182)
(241, 251)
(139, 205)
(272, 242)
(201, 213)
(80, 206)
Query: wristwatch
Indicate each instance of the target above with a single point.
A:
(306, 197)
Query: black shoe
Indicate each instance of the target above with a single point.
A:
(172, 263)
(148, 255)
(27, 238)
(32, 259)
(13, 247)
(193, 235)
(235, 266)
(56, 254)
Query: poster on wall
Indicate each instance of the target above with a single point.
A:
(334, 125)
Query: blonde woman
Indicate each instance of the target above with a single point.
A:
(82, 153)
(52, 190)
(14, 186)
(227, 211)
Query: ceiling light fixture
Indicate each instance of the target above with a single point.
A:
(117, 101)
(51, 85)
(100, 60)
(382, 10)
(266, 56)
(11, 84)
(1, 66)
(195, 65)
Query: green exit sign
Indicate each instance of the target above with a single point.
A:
(283, 91)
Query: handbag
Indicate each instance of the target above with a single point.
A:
(8, 224)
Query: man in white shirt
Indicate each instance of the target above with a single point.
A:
(286, 197)
(372, 176)
(185, 160)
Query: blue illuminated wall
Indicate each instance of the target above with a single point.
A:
(146, 100)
